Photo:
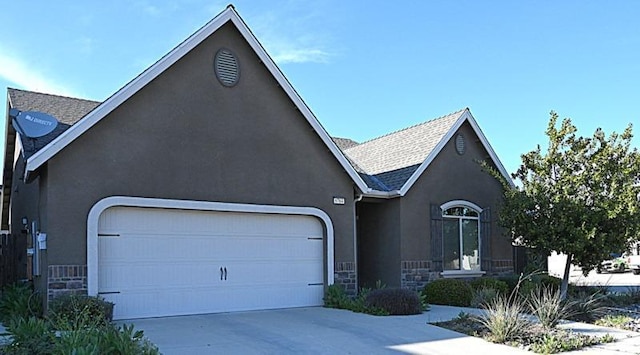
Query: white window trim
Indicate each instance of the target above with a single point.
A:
(452, 274)
(127, 201)
(460, 203)
(461, 272)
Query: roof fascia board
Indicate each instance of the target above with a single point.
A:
(436, 150)
(115, 100)
(465, 116)
(229, 14)
(297, 100)
(381, 194)
(492, 153)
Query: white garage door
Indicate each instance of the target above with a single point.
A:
(161, 262)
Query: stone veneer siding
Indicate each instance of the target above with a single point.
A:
(66, 279)
(345, 275)
(499, 267)
(417, 273)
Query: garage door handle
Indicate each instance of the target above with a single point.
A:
(221, 273)
(225, 273)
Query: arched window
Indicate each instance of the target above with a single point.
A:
(461, 236)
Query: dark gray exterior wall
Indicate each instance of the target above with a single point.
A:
(28, 200)
(394, 236)
(185, 136)
(378, 242)
(451, 177)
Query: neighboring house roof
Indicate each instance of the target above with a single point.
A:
(394, 162)
(110, 104)
(66, 110)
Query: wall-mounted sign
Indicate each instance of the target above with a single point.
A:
(33, 124)
(338, 200)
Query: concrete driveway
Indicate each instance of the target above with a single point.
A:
(312, 331)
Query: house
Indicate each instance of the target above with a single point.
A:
(207, 185)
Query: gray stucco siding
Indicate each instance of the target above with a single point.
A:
(185, 136)
(378, 242)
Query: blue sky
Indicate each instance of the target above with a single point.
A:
(365, 68)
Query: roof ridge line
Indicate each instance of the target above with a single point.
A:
(407, 128)
(54, 95)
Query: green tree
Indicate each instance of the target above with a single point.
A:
(581, 198)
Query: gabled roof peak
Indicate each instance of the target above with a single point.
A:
(456, 113)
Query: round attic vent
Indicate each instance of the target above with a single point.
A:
(460, 144)
(226, 67)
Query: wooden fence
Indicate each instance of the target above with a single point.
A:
(8, 259)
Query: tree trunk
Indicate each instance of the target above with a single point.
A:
(565, 277)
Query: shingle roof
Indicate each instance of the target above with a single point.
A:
(66, 110)
(344, 143)
(390, 160)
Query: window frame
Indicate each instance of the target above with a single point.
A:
(470, 205)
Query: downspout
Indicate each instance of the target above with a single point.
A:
(355, 237)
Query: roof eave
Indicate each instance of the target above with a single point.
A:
(382, 194)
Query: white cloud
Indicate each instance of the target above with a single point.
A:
(23, 76)
(292, 36)
(299, 55)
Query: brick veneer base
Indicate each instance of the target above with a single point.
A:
(66, 279)
(345, 275)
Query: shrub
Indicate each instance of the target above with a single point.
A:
(126, 340)
(79, 311)
(483, 296)
(335, 297)
(450, 292)
(551, 343)
(548, 307)
(395, 301)
(511, 280)
(587, 307)
(504, 320)
(83, 341)
(620, 321)
(490, 283)
(19, 300)
(30, 335)
(548, 281)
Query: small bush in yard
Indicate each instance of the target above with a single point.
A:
(335, 297)
(548, 307)
(548, 281)
(450, 292)
(395, 301)
(587, 307)
(504, 320)
(30, 335)
(490, 283)
(19, 300)
(79, 311)
(483, 296)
